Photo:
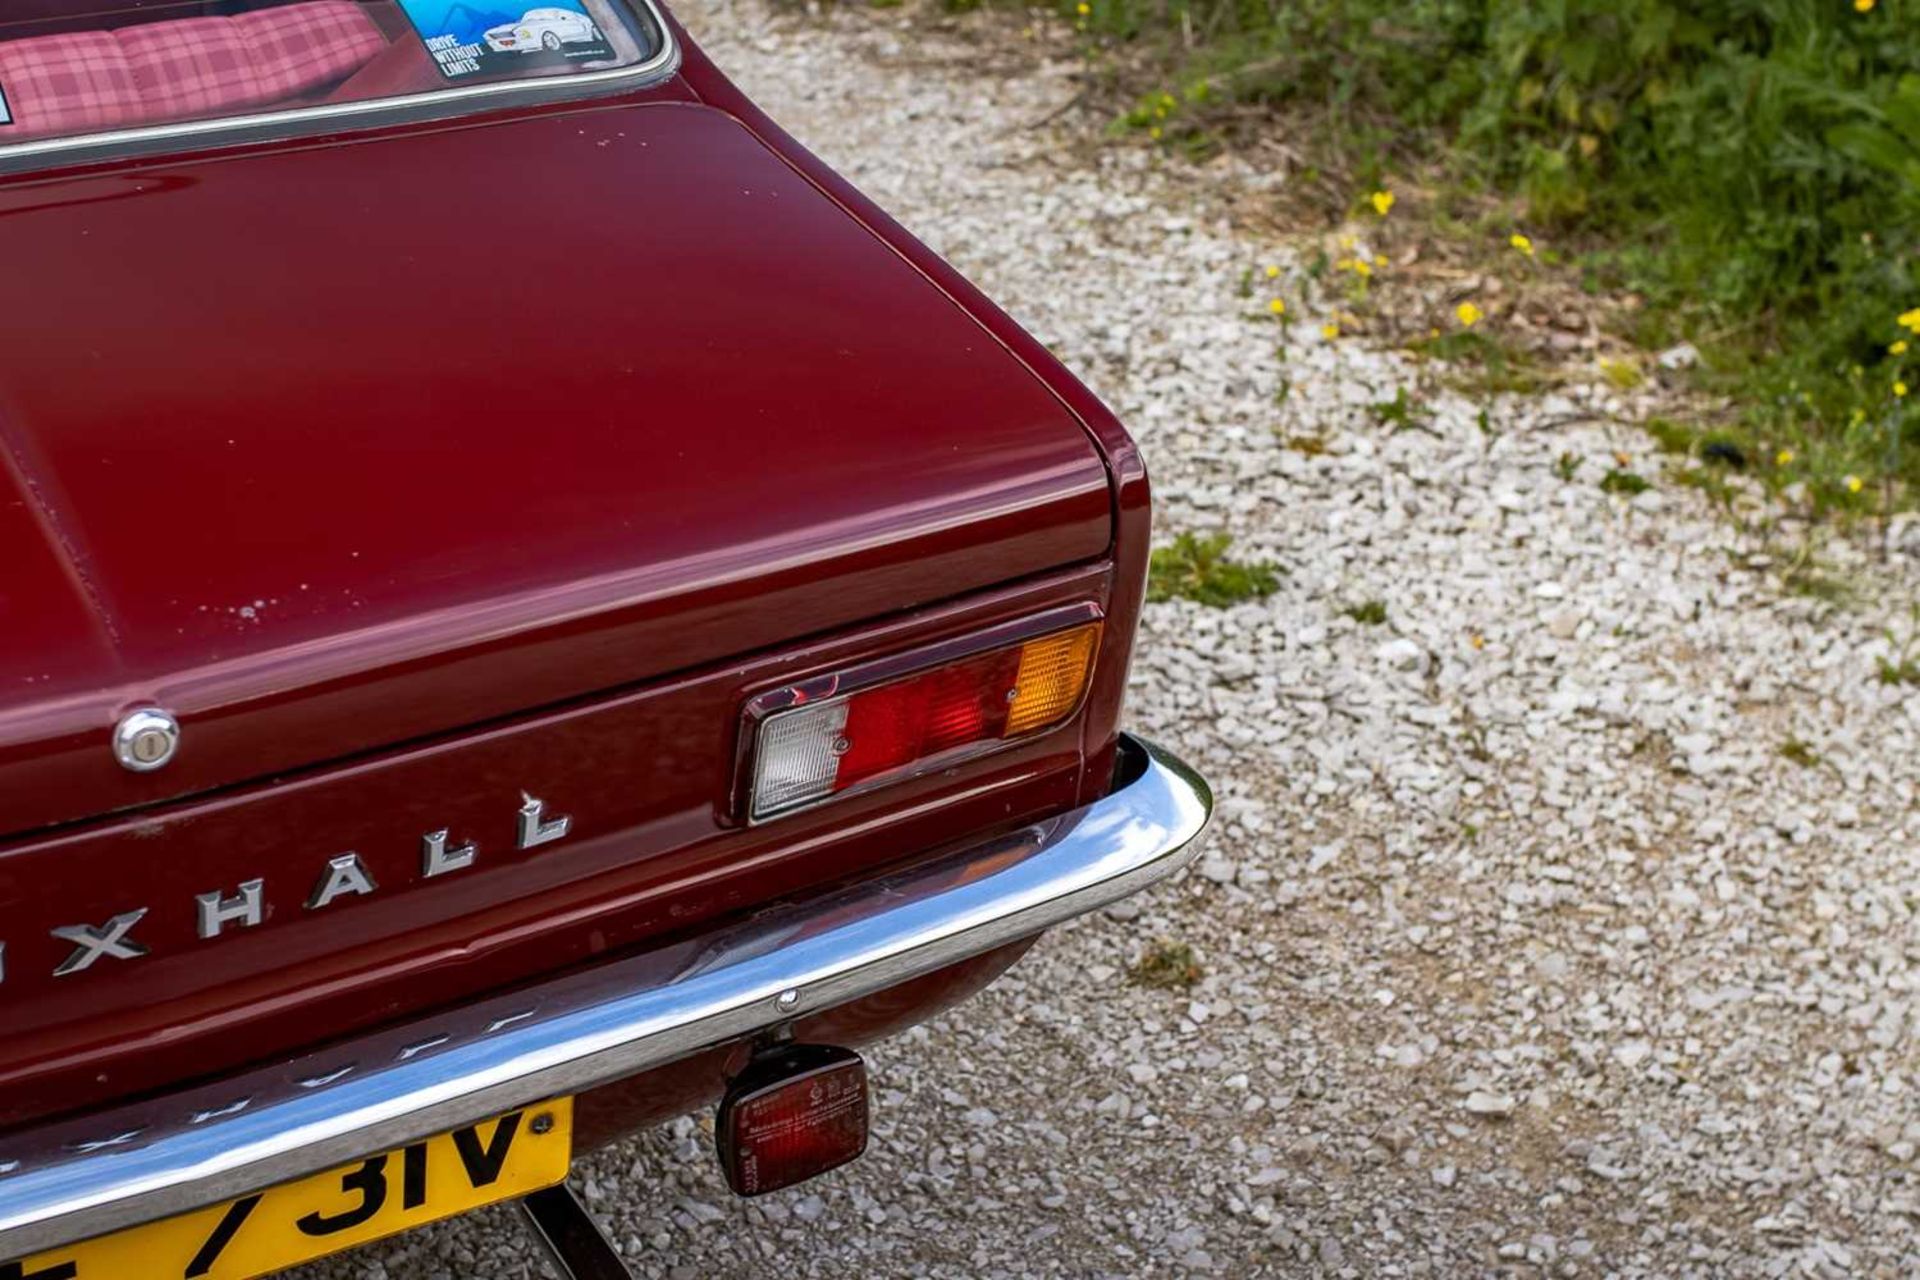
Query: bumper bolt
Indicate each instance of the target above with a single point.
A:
(542, 1123)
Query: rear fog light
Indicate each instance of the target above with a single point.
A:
(796, 1111)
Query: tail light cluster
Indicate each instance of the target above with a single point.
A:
(861, 729)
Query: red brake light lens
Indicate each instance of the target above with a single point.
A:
(826, 746)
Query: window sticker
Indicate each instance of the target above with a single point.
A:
(492, 37)
(6, 112)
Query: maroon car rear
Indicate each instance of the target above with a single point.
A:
(420, 503)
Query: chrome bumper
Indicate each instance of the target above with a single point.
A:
(113, 1169)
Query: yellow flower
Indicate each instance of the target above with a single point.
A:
(1154, 133)
(1521, 243)
(1863, 6)
(1083, 8)
(1900, 389)
(1911, 320)
(1329, 331)
(1469, 314)
(1854, 483)
(1273, 273)
(1783, 457)
(1347, 243)
(1343, 264)
(1278, 306)
(1363, 268)
(1382, 202)
(1477, 641)
(1898, 349)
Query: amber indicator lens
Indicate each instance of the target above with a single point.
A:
(796, 1111)
(811, 752)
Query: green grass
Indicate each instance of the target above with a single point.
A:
(1167, 965)
(1812, 582)
(1748, 171)
(1368, 613)
(1902, 668)
(1402, 413)
(1708, 481)
(1624, 482)
(1793, 749)
(1671, 436)
(1198, 568)
(1482, 363)
(1903, 671)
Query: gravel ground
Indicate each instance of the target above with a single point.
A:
(1525, 949)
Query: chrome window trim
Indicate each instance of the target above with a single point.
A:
(439, 104)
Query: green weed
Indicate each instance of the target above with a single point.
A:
(1708, 481)
(1903, 671)
(1198, 568)
(1402, 413)
(1903, 668)
(1621, 481)
(1482, 364)
(1167, 965)
(1800, 753)
(1671, 436)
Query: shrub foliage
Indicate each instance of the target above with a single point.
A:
(1754, 165)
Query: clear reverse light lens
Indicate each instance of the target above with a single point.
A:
(799, 756)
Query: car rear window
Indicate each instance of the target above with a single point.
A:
(107, 71)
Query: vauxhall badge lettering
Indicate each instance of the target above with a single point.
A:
(248, 905)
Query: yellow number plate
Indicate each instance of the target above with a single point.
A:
(259, 1234)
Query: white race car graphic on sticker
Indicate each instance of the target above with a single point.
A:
(538, 29)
